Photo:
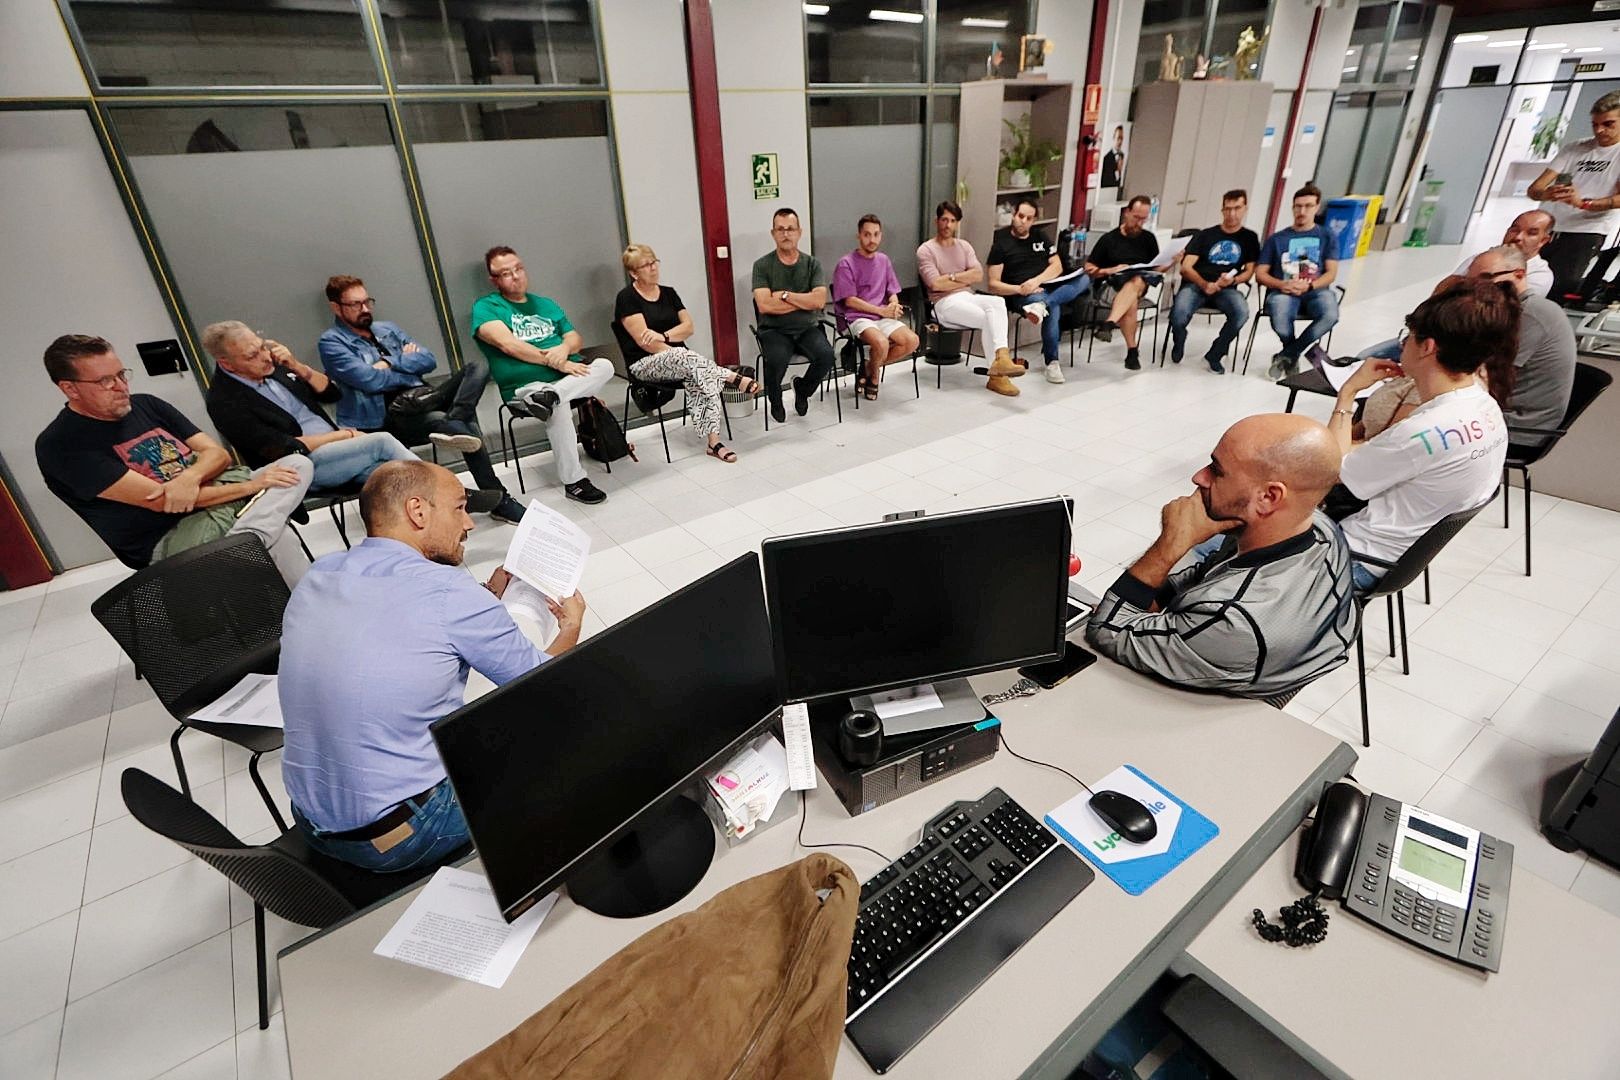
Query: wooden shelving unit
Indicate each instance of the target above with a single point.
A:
(981, 135)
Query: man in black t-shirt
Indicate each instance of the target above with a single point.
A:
(145, 478)
(1117, 256)
(1216, 262)
(1022, 261)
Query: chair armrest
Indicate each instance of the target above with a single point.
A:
(1372, 559)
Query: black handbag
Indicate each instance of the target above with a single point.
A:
(414, 400)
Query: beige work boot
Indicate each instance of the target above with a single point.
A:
(1002, 366)
(1000, 384)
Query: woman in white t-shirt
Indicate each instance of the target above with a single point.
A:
(1447, 454)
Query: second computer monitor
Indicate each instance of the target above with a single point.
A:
(875, 607)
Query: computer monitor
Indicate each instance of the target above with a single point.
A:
(572, 773)
(875, 607)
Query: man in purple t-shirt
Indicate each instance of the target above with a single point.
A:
(867, 299)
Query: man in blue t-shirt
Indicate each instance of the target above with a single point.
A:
(1297, 266)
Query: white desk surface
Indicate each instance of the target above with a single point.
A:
(1364, 1003)
(1253, 770)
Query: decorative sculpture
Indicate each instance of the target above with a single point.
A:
(1246, 58)
(1200, 67)
(1170, 63)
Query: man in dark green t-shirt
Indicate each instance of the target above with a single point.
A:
(533, 353)
(790, 291)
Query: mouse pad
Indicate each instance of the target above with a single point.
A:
(1133, 867)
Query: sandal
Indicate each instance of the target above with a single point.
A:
(870, 391)
(745, 385)
(723, 452)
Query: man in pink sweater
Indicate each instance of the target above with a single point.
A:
(949, 270)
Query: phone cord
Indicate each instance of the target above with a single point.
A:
(1304, 922)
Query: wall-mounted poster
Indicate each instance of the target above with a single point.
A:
(1113, 160)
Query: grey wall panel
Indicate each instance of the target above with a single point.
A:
(39, 59)
(842, 158)
(254, 236)
(1458, 154)
(72, 265)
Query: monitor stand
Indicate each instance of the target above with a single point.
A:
(650, 867)
(947, 703)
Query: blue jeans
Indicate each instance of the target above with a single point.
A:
(1321, 306)
(1384, 350)
(338, 463)
(1364, 577)
(1229, 302)
(438, 830)
(1054, 298)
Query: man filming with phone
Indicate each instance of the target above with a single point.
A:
(1581, 190)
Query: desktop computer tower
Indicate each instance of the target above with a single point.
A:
(908, 762)
(1587, 816)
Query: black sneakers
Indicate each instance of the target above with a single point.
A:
(1133, 362)
(486, 500)
(508, 510)
(801, 397)
(586, 492)
(541, 403)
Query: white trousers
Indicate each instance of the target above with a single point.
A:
(968, 310)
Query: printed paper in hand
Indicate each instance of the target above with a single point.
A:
(454, 926)
(548, 552)
(252, 701)
(1166, 257)
(1338, 376)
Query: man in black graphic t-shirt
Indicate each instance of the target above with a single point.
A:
(144, 477)
(1216, 262)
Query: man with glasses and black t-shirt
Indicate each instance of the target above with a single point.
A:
(145, 478)
(380, 367)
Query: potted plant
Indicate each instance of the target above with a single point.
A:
(1548, 136)
(1024, 163)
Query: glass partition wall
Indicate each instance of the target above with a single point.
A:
(272, 143)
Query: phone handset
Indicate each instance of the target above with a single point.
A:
(1326, 855)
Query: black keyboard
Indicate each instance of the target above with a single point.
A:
(935, 923)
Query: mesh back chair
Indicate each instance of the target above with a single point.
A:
(833, 374)
(652, 395)
(1260, 313)
(512, 410)
(1414, 563)
(1590, 382)
(193, 625)
(284, 876)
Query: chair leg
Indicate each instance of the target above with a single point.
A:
(1426, 599)
(1507, 496)
(308, 554)
(1361, 682)
(264, 981)
(511, 435)
(179, 763)
(1406, 654)
(664, 435)
(1526, 522)
(724, 415)
(264, 792)
(340, 518)
(1389, 612)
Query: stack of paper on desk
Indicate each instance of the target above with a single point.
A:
(751, 784)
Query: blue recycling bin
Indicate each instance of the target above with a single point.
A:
(1344, 219)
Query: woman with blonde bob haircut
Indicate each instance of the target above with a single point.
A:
(653, 325)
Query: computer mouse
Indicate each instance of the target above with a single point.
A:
(1128, 817)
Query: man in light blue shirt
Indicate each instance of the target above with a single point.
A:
(375, 646)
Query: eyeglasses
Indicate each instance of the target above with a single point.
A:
(107, 382)
(1404, 336)
(646, 265)
(1496, 275)
(512, 273)
(368, 302)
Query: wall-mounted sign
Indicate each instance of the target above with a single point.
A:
(1092, 112)
(1269, 138)
(1309, 134)
(767, 177)
(1591, 68)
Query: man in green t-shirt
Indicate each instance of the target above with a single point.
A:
(790, 291)
(533, 353)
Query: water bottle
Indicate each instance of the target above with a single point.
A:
(1153, 215)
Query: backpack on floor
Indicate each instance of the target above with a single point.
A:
(600, 433)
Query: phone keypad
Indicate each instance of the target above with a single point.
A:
(1422, 916)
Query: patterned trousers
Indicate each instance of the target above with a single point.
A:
(701, 377)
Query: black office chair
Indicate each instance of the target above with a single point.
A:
(283, 876)
(833, 374)
(193, 625)
(1414, 563)
(335, 502)
(512, 410)
(925, 317)
(1590, 382)
(1210, 313)
(1101, 298)
(651, 395)
(859, 350)
(1259, 314)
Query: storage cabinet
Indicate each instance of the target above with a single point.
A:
(1193, 141)
(980, 137)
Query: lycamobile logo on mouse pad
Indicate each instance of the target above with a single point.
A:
(1133, 867)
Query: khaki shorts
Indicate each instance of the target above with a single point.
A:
(886, 327)
(201, 526)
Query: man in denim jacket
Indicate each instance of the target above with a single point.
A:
(376, 360)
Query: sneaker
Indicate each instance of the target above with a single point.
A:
(1177, 352)
(486, 500)
(586, 492)
(801, 397)
(778, 413)
(541, 403)
(508, 510)
(1133, 362)
(464, 443)
(1105, 331)
(1215, 365)
(1035, 312)
(1282, 365)
(1000, 384)
(1054, 373)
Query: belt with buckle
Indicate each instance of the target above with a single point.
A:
(388, 822)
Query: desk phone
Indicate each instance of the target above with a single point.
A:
(1422, 877)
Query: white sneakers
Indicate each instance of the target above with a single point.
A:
(1054, 373)
(1035, 312)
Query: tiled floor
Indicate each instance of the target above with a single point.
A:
(123, 957)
